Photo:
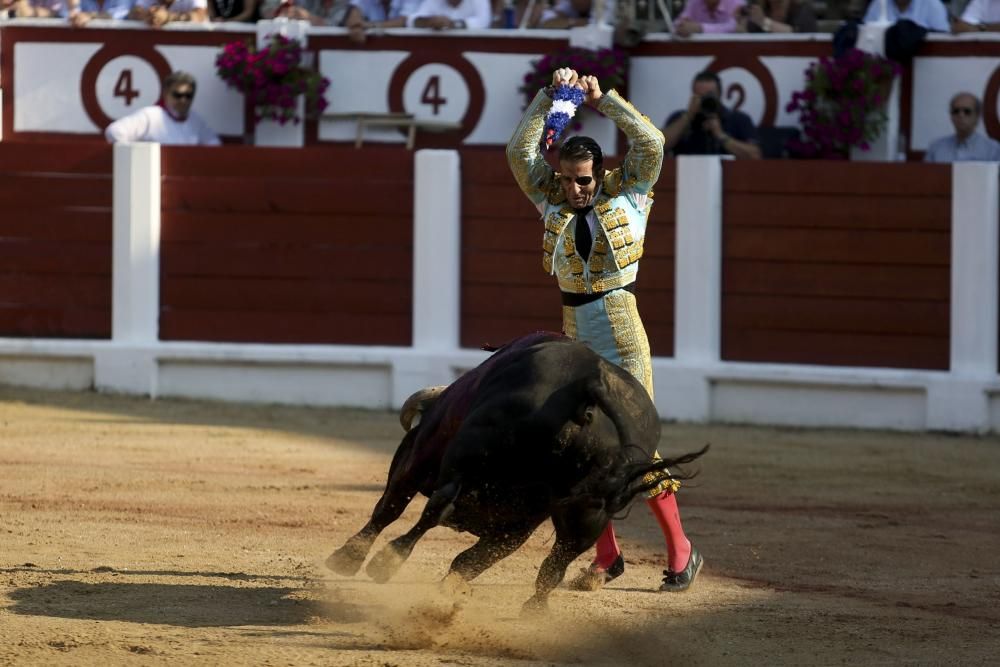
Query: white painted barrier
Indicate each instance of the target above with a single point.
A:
(694, 386)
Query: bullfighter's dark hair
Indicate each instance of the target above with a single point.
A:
(581, 149)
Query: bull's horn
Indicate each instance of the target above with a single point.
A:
(417, 403)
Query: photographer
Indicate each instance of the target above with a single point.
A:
(707, 127)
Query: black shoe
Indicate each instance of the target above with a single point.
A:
(592, 578)
(676, 582)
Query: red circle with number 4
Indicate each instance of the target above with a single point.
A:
(434, 93)
(121, 79)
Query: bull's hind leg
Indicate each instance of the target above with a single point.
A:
(399, 491)
(576, 531)
(388, 561)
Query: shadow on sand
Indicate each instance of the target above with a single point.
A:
(186, 605)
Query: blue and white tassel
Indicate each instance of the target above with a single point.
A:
(565, 101)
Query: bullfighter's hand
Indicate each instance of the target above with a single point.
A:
(565, 75)
(591, 90)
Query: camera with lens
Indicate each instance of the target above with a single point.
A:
(709, 105)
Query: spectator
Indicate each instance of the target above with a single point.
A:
(521, 7)
(777, 16)
(368, 15)
(979, 16)
(707, 127)
(233, 11)
(966, 144)
(81, 12)
(451, 14)
(158, 13)
(40, 9)
(708, 16)
(317, 12)
(574, 13)
(170, 121)
(386, 13)
(929, 14)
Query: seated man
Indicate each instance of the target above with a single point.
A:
(708, 16)
(158, 13)
(233, 11)
(928, 14)
(451, 14)
(170, 122)
(707, 127)
(573, 13)
(40, 9)
(81, 12)
(966, 144)
(368, 15)
(979, 16)
(317, 12)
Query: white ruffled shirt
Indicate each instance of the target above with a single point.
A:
(154, 124)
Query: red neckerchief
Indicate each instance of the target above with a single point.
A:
(170, 113)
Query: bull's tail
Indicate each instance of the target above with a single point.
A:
(620, 492)
(614, 488)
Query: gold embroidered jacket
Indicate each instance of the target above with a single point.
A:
(622, 204)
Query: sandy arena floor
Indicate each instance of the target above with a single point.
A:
(191, 533)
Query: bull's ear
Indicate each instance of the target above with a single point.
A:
(584, 415)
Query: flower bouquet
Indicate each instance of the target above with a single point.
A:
(843, 104)
(610, 66)
(273, 78)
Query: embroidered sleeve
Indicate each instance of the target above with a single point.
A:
(524, 154)
(641, 167)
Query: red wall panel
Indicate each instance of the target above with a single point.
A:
(836, 263)
(55, 240)
(310, 245)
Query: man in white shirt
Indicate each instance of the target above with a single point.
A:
(979, 16)
(158, 13)
(170, 122)
(928, 14)
(451, 14)
(966, 145)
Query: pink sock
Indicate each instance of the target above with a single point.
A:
(607, 548)
(664, 507)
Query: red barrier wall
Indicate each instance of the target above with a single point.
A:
(837, 263)
(55, 240)
(306, 245)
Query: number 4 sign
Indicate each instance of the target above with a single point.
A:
(449, 90)
(115, 84)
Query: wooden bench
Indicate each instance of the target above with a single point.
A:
(406, 121)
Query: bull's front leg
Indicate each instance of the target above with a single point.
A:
(399, 491)
(392, 556)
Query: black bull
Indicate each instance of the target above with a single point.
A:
(543, 428)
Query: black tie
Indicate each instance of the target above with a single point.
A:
(583, 238)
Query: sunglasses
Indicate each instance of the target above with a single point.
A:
(583, 180)
(962, 110)
(182, 96)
